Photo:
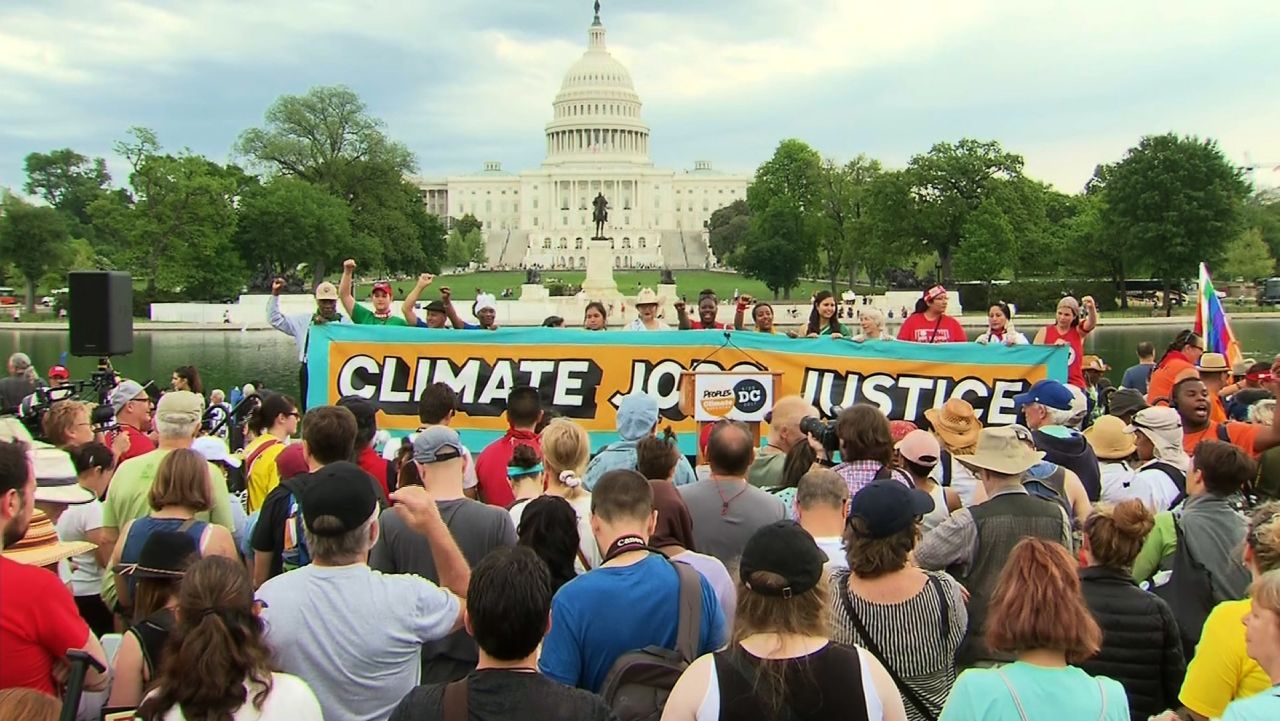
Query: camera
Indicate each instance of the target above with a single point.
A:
(823, 432)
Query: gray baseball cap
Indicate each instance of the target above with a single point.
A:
(436, 444)
(124, 392)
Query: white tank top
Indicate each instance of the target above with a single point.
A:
(940, 512)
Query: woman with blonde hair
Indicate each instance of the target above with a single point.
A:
(782, 663)
(1141, 646)
(565, 450)
(1038, 614)
(871, 320)
(66, 424)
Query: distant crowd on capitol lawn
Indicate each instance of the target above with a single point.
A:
(1113, 555)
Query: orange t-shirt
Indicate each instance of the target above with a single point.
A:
(1242, 435)
(1163, 377)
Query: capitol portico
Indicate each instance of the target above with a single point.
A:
(596, 142)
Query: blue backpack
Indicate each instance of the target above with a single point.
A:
(294, 551)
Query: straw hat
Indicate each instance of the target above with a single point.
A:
(1214, 363)
(955, 424)
(41, 547)
(1094, 363)
(56, 480)
(1109, 439)
(646, 296)
(1000, 450)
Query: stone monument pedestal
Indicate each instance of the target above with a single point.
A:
(599, 283)
(667, 297)
(534, 292)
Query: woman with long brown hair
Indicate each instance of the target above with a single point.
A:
(1141, 647)
(218, 664)
(781, 663)
(1038, 614)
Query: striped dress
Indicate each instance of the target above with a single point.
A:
(909, 634)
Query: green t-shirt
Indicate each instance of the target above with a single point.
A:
(826, 330)
(361, 315)
(127, 500)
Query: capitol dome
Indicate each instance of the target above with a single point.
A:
(597, 111)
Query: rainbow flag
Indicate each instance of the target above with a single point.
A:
(1212, 323)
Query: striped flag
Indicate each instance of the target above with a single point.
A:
(1212, 323)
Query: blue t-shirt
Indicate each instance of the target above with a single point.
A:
(1046, 694)
(600, 615)
(1137, 377)
(1262, 707)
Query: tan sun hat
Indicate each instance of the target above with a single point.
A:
(1213, 363)
(56, 480)
(1093, 363)
(646, 296)
(1000, 450)
(955, 424)
(41, 547)
(1109, 439)
(326, 291)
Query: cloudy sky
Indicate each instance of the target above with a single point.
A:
(1067, 85)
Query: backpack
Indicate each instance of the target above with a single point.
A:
(294, 551)
(1188, 591)
(1176, 475)
(640, 681)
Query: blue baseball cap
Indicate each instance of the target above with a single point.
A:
(1047, 392)
(889, 506)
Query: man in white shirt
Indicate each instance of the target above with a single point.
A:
(822, 506)
(353, 634)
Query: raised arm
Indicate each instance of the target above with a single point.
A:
(682, 316)
(419, 511)
(409, 308)
(274, 316)
(344, 287)
(1090, 319)
(446, 297)
(739, 312)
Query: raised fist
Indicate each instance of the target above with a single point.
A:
(425, 279)
(348, 265)
(679, 305)
(277, 285)
(1088, 301)
(446, 294)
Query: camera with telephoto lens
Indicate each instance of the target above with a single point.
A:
(823, 432)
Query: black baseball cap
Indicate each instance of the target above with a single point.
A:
(341, 490)
(165, 554)
(888, 507)
(785, 549)
(435, 306)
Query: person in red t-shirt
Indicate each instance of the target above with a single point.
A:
(1191, 400)
(1182, 354)
(39, 621)
(132, 407)
(524, 410)
(708, 307)
(930, 323)
(1070, 327)
(366, 428)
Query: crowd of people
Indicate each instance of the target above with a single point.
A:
(1115, 554)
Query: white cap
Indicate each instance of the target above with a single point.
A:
(214, 449)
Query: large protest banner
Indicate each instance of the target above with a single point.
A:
(583, 375)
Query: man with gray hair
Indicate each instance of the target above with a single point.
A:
(178, 423)
(1049, 408)
(132, 407)
(18, 384)
(784, 434)
(822, 507)
(354, 634)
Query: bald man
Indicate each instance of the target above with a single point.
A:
(784, 433)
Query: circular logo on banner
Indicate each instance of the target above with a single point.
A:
(749, 396)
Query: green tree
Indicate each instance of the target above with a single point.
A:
(727, 227)
(37, 241)
(890, 242)
(467, 224)
(988, 246)
(286, 221)
(465, 249)
(69, 182)
(433, 239)
(785, 203)
(1263, 213)
(1247, 257)
(176, 226)
(844, 204)
(947, 185)
(1177, 201)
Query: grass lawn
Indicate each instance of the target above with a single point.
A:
(688, 283)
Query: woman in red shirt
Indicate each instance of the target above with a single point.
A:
(1069, 329)
(930, 323)
(1182, 355)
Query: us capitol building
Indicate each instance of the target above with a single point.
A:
(596, 142)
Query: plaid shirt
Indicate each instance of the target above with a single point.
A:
(860, 474)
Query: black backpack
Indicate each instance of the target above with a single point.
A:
(1189, 592)
(640, 681)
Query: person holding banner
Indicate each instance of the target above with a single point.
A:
(647, 312)
(595, 317)
(930, 322)
(436, 316)
(761, 315)
(1000, 327)
(381, 295)
(1070, 329)
(298, 326)
(824, 318)
(871, 320)
(708, 307)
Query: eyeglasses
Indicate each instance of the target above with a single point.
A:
(295, 414)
